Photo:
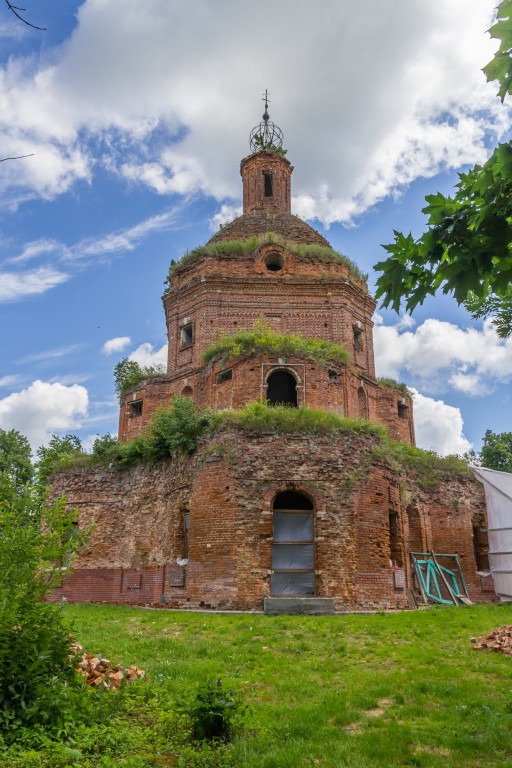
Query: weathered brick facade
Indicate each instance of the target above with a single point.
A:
(213, 529)
(137, 551)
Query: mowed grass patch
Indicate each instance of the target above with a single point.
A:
(346, 691)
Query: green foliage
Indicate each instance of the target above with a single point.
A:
(500, 67)
(59, 453)
(128, 374)
(430, 468)
(467, 248)
(15, 465)
(215, 711)
(372, 691)
(232, 249)
(174, 429)
(36, 671)
(259, 416)
(496, 451)
(262, 146)
(105, 447)
(393, 384)
(262, 339)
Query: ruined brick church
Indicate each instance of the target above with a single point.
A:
(255, 517)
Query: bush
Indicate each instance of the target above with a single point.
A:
(128, 374)
(214, 712)
(174, 429)
(36, 671)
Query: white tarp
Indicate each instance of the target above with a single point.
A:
(498, 496)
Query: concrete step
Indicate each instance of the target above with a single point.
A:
(312, 606)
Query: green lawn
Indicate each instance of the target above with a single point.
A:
(351, 691)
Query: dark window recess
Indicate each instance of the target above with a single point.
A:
(395, 550)
(282, 389)
(480, 547)
(187, 335)
(136, 409)
(187, 392)
(358, 339)
(274, 262)
(403, 410)
(267, 183)
(224, 376)
(186, 533)
(334, 377)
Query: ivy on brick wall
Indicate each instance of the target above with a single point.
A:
(262, 339)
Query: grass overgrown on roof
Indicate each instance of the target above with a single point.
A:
(232, 249)
(257, 416)
(428, 466)
(359, 691)
(262, 339)
(178, 428)
(389, 383)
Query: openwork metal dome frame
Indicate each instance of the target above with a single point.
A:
(266, 135)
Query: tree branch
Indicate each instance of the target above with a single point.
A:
(14, 9)
(19, 157)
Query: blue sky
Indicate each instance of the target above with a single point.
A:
(138, 121)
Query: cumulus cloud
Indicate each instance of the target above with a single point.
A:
(438, 356)
(438, 426)
(146, 354)
(116, 345)
(415, 100)
(43, 409)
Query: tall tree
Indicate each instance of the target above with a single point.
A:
(15, 465)
(467, 248)
(496, 451)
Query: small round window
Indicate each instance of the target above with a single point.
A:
(274, 261)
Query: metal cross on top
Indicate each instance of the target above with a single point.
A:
(265, 99)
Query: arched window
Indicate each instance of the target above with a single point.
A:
(187, 392)
(293, 549)
(282, 388)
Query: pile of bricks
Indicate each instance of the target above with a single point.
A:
(499, 640)
(98, 671)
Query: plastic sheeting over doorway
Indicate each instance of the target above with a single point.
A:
(498, 497)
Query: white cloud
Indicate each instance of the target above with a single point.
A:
(438, 356)
(42, 409)
(18, 285)
(224, 215)
(115, 345)
(8, 381)
(415, 100)
(146, 354)
(51, 354)
(438, 426)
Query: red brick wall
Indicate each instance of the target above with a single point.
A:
(253, 168)
(136, 549)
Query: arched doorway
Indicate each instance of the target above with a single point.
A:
(282, 388)
(293, 567)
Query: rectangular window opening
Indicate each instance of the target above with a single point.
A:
(403, 410)
(187, 335)
(358, 339)
(136, 409)
(267, 177)
(224, 376)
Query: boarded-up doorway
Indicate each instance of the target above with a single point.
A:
(293, 569)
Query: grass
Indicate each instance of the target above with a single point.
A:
(233, 249)
(352, 691)
(262, 339)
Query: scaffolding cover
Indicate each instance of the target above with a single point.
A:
(498, 497)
